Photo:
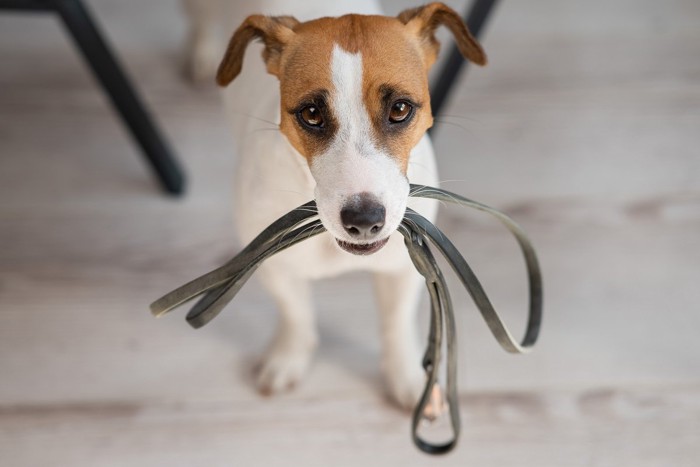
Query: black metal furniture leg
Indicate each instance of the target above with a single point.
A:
(475, 20)
(123, 96)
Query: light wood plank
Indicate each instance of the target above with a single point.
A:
(583, 127)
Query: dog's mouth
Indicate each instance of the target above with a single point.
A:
(362, 249)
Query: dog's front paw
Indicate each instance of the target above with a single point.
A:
(407, 391)
(284, 365)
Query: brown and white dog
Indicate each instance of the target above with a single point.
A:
(352, 113)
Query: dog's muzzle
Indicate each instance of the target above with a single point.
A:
(363, 217)
(362, 249)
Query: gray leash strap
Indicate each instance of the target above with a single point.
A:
(278, 236)
(441, 319)
(221, 285)
(215, 300)
(469, 279)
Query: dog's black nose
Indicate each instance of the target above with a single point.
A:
(363, 216)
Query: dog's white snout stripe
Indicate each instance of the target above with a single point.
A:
(352, 163)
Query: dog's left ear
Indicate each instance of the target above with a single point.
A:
(424, 20)
(274, 31)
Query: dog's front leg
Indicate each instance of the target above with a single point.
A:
(289, 354)
(398, 295)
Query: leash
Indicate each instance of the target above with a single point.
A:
(221, 285)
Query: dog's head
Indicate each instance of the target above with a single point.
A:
(355, 101)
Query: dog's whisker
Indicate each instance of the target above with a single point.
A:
(462, 117)
(313, 226)
(254, 117)
(282, 234)
(417, 164)
(422, 191)
(258, 130)
(417, 191)
(447, 194)
(305, 209)
(445, 122)
(287, 232)
(440, 182)
(427, 190)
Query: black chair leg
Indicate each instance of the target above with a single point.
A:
(123, 96)
(475, 20)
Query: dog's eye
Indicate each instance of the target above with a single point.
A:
(400, 111)
(311, 116)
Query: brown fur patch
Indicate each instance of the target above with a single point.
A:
(396, 55)
(391, 59)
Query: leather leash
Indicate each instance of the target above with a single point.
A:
(221, 285)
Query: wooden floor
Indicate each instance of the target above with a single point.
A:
(585, 128)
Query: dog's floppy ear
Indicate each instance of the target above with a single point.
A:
(423, 22)
(274, 31)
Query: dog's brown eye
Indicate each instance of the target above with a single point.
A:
(400, 111)
(311, 116)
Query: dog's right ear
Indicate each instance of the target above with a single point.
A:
(274, 31)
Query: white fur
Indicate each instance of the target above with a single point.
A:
(353, 164)
(272, 178)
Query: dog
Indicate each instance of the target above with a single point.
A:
(347, 98)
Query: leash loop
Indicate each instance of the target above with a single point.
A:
(221, 285)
